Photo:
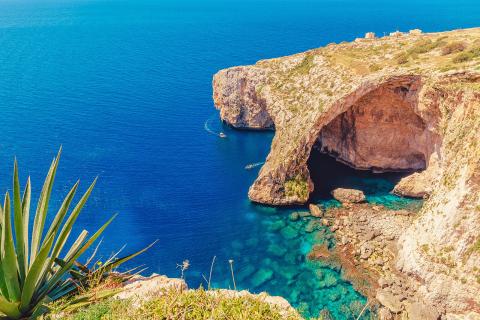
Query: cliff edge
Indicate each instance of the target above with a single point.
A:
(406, 102)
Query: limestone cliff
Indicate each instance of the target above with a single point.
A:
(407, 102)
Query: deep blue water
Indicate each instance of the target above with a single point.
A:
(125, 87)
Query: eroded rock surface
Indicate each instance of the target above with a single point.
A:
(394, 103)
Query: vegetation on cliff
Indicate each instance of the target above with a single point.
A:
(189, 305)
(297, 188)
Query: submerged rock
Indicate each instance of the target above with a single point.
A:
(289, 233)
(329, 281)
(294, 216)
(348, 195)
(319, 252)
(277, 225)
(313, 225)
(304, 214)
(261, 277)
(276, 250)
(245, 272)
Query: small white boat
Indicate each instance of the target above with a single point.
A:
(222, 135)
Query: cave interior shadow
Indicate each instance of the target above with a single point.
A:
(328, 174)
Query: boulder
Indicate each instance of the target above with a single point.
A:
(348, 195)
(366, 251)
(388, 300)
(315, 210)
(303, 214)
(143, 288)
(384, 314)
(318, 252)
(294, 216)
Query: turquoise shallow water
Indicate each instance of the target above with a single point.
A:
(273, 257)
(125, 87)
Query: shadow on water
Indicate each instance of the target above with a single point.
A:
(328, 174)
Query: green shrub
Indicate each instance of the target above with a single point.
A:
(467, 56)
(297, 187)
(453, 47)
(424, 46)
(31, 270)
(304, 67)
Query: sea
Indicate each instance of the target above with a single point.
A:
(124, 87)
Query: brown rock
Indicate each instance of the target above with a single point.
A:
(319, 252)
(389, 301)
(348, 195)
(315, 210)
(384, 314)
(418, 311)
(142, 288)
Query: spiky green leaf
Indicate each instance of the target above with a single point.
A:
(42, 208)
(26, 219)
(9, 262)
(18, 223)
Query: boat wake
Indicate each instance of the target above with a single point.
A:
(253, 165)
(207, 128)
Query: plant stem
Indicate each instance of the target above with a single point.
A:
(211, 270)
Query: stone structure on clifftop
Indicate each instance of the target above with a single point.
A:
(409, 103)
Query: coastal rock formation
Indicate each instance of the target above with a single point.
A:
(246, 108)
(399, 103)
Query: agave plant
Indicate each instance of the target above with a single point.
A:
(30, 272)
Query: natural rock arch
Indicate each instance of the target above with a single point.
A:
(380, 131)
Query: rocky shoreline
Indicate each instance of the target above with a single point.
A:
(366, 249)
(407, 101)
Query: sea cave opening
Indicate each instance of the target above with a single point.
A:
(372, 144)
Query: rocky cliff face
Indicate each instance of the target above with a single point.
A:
(408, 102)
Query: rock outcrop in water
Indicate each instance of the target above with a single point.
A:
(403, 103)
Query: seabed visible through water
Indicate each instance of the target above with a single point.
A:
(273, 257)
